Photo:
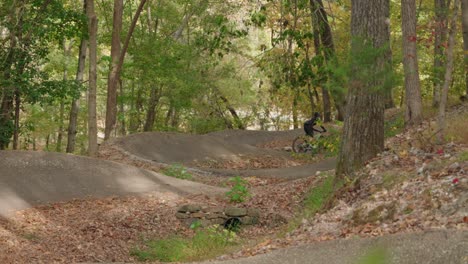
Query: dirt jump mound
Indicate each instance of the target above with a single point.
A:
(31, 178)
(185, 148)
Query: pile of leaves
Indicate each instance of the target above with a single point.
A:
(402, 190)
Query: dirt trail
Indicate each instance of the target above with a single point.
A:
(229, 145)
(32, 178)
(436, 247)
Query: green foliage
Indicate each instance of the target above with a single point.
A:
(177, 171)
(239, 191)
(206, 125)
(318, 196)
(206, 243)
(394, 126)
(329, 144)
(6, 131)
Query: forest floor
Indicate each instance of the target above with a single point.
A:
(413, 186)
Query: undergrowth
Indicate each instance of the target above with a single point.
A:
(394, 126)
(239, 191)
(177, 171)
(205, 244)
(456, 129)
(316, 200)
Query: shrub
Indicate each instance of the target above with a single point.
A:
(177, 171)
(239, 191)
(206, 243)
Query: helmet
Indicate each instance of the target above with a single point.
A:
(316, 115)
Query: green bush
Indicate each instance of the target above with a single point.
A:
(177, 171)
(206, 125)
(328, 145)
(205, 244)
(239, 191)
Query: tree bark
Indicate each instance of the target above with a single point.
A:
(233, 112)
(75, 105)
(151, 113)
(118, 57)
(66, 54)
(441, 120)
(17, 118)
(363, 132)
(92, 118)
(465, 40)
(440, 36)
(321, 24)
(413, 112)
(111, 108)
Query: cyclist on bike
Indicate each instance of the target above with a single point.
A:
(309, 125)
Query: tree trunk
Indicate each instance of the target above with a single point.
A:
(6, 107)
(135, 120)
(118, 57)
(151, 113)
(92, 118)
(363, 132)
(448, 74)
(17, 119)
(321, 24)
(66, 54)
(75, 105)
(413, 113)
(233, 112)
(58, 148)
(111, 108)
(123, 131)
(465, 39)
(440, 35)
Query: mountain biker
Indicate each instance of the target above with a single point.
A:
(309, 125)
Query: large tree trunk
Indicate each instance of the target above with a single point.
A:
(92, 118)
(75, 105)
(413, 113)
(448, 74)
(440, 35)
(118, 57)
(363, 132)
(465, 39)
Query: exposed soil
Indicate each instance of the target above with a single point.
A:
(431, 194)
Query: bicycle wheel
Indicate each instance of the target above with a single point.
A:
(300, 145)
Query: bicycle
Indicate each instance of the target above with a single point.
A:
(303, 143)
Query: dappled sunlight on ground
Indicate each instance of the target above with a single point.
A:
(10, 201)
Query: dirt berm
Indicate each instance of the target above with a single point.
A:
(167, 147)
(31, 178)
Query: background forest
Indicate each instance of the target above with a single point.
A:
(74, 73)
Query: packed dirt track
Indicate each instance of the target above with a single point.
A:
(169, 147)
(32, 178)
(224, 153)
